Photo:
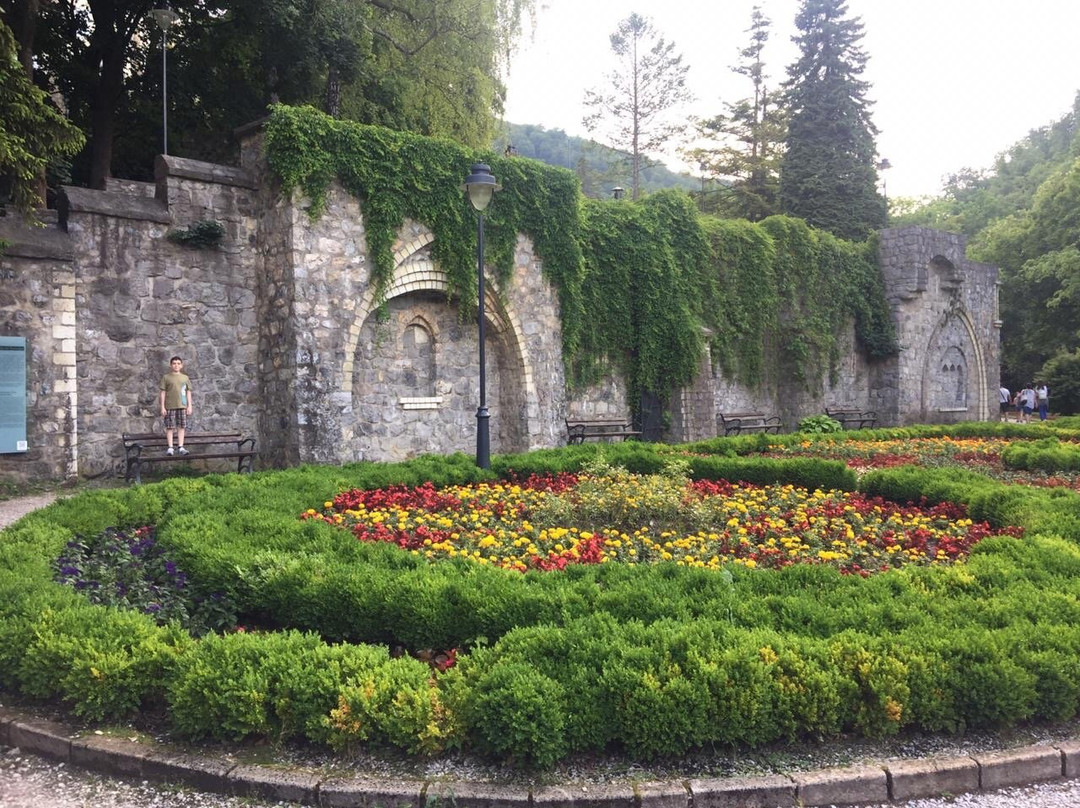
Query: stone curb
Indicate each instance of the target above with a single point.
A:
(889, 782)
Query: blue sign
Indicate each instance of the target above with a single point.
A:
(12, 394)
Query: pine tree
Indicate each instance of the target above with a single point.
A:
(648, 85)
(33, 133)
(828, 175)
(750, 137)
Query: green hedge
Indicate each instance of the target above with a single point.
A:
(656, 660)
(1048, 454)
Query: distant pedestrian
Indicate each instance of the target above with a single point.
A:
(1005, 400)
(176, 404)
(1026, 398)
(1042, 399)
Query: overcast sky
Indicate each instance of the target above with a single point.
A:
(954, 81)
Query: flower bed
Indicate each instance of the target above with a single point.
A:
(655, 659)
(986, 455)
(549, 522)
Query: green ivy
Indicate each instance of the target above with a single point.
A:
(641, 285)
(400, 175)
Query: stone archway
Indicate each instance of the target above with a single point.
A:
(954, 384)
(398, 411)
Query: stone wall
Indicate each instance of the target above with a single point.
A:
(141, 299)
(285, 340)
(946, 315)
(37, 302)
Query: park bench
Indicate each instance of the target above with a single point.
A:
(852, 418)
(579, 430)
(144, 448)
(735, 423)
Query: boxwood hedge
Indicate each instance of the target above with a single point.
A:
(655, 660)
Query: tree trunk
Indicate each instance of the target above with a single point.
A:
(108, 47)
(25, 29)
(103, 126)
(333, 92)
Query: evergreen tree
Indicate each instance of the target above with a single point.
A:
(648, 85)
(33, 133)
(828, 175)
(748, 138)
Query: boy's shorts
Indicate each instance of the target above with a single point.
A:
(176, 419)
(1026, 410)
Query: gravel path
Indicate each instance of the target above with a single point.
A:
(1065, 794)
(12, 509)
(27, 781)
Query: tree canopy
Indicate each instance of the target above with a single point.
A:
(828, 175)
(433, 66)
(32, 131)
(745, 143)
(649, 82)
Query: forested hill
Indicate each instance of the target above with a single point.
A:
(600, 168)
(974, 199)
(1023, 215)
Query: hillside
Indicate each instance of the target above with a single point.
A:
(1023, 215)
(599, 167)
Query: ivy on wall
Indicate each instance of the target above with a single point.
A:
(400, 175)
(641, 285)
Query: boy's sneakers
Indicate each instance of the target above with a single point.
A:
(183, 451)
(169, 451)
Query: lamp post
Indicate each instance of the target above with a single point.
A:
(481, 186)
(882, 166)
(165, 17)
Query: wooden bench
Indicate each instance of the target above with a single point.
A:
(578, 430)
(735, 423)
(851, 418)
(143, 448)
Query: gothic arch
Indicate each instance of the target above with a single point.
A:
(947, 365)
(414, 271)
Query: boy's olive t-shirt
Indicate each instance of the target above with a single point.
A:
(176, 387)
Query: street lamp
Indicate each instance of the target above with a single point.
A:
(481, 186)
(165, 17)
(883, 165)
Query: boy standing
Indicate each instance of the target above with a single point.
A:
(176, 401)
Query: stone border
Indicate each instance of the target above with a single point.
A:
(888, 782)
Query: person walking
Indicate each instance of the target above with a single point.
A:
(1004, 402)
(1042, 399)
(1027, 402)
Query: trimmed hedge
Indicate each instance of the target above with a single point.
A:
(656, 660)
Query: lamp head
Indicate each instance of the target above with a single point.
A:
(481, 186)
(164, 16)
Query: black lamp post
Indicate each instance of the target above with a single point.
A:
(481, 186)
(165, 17)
